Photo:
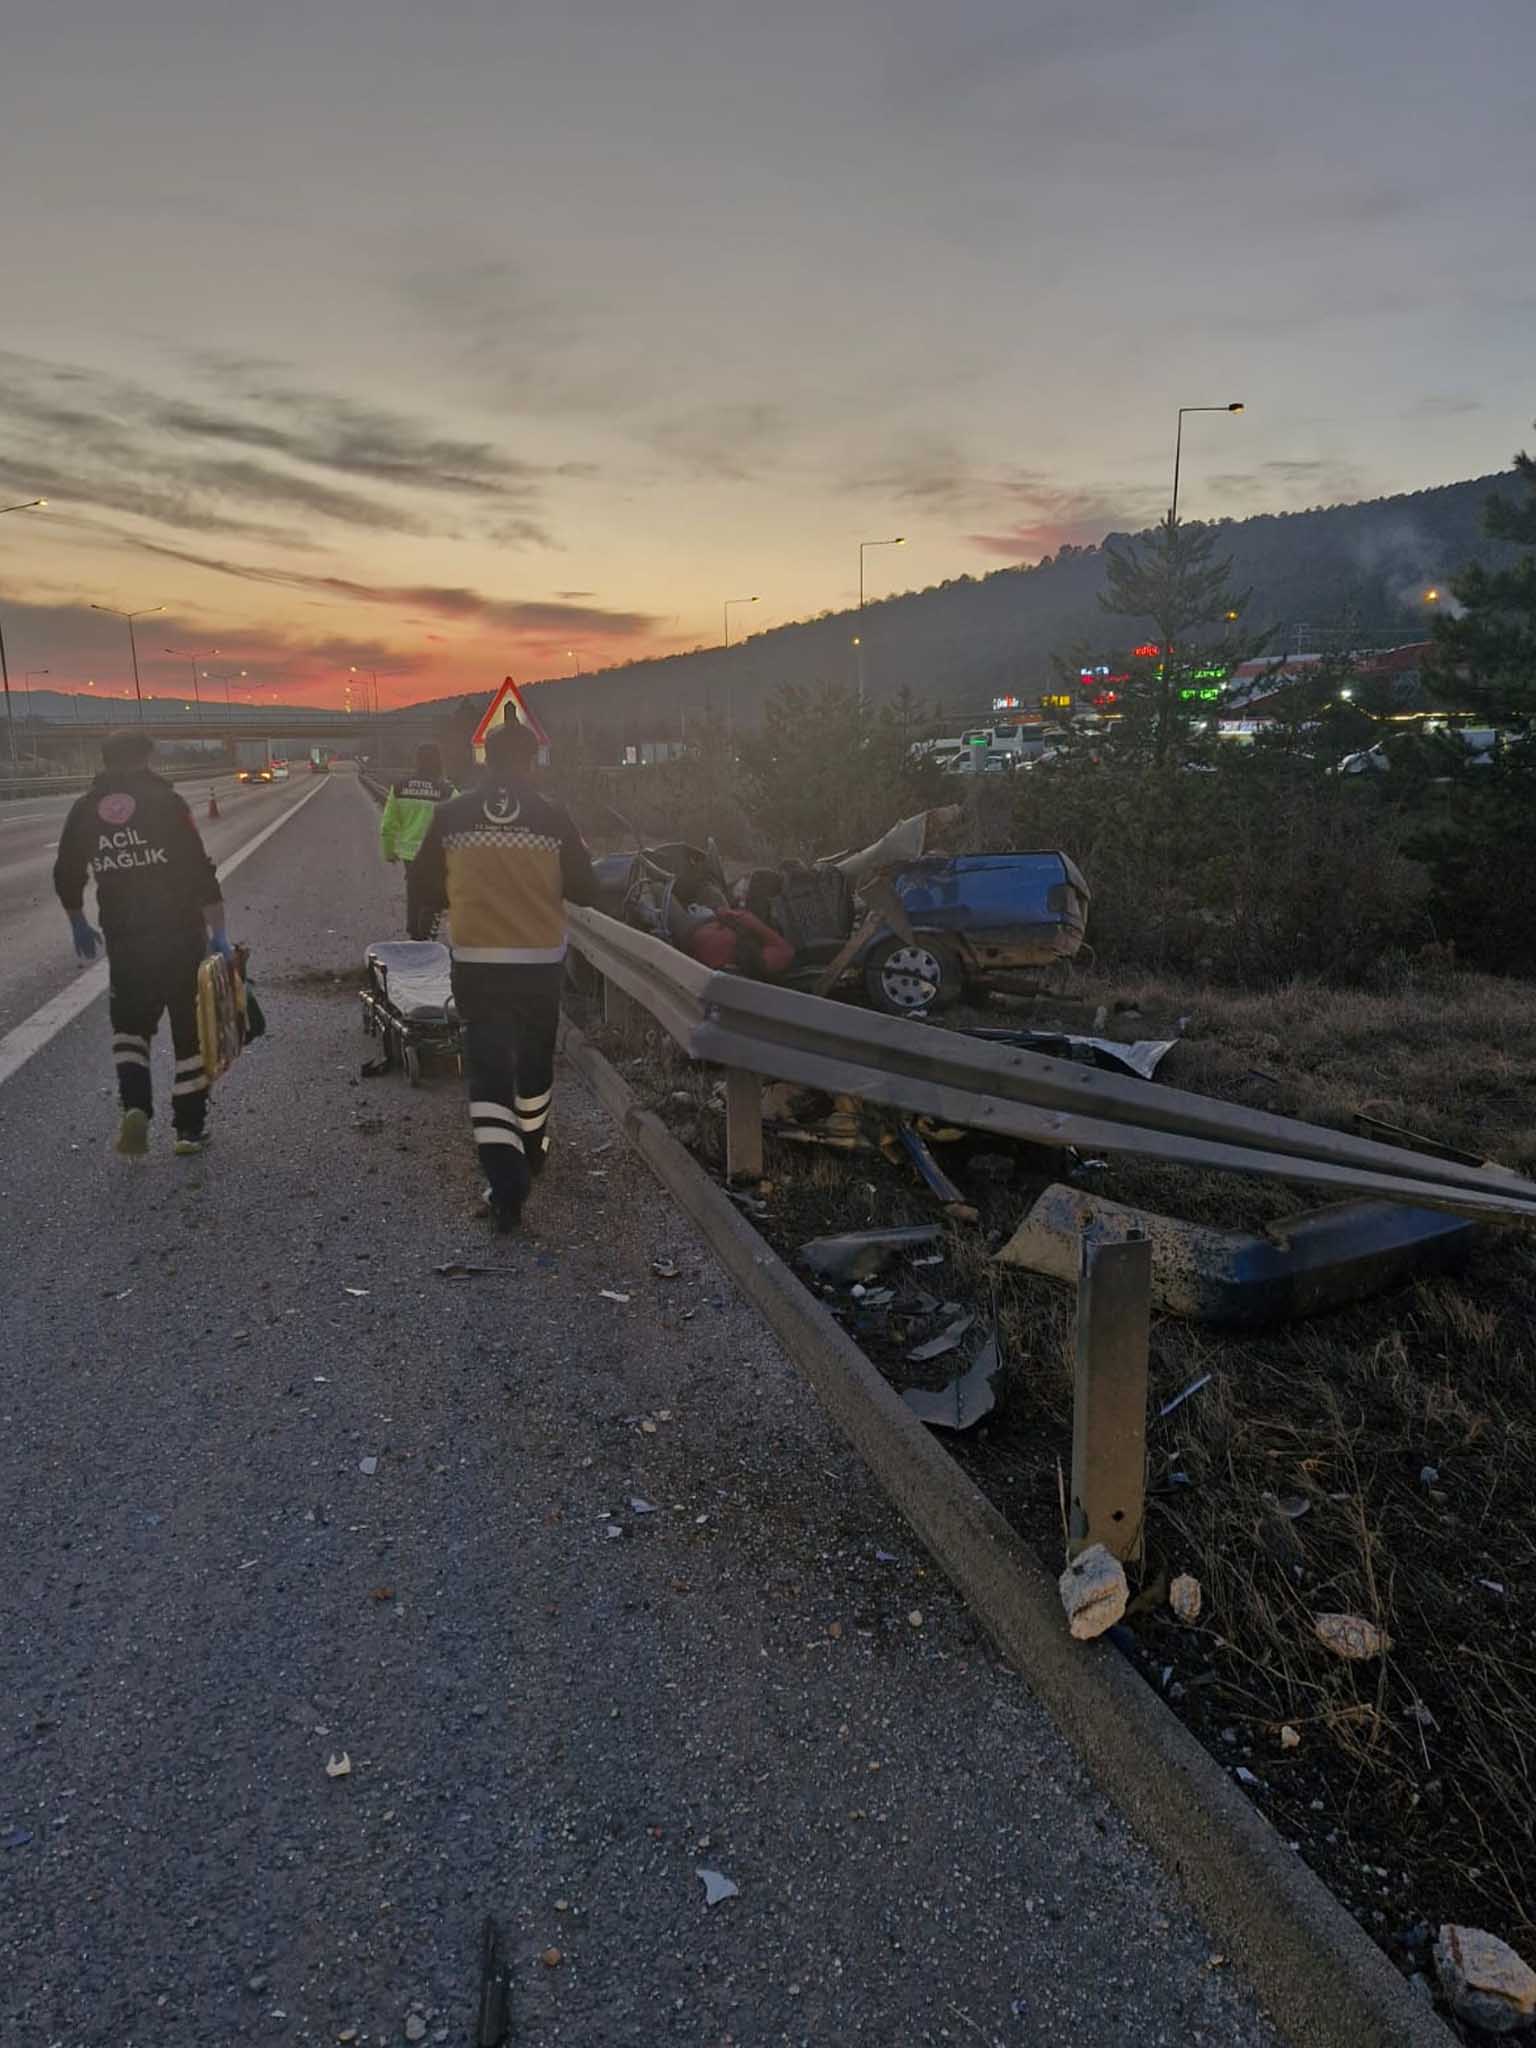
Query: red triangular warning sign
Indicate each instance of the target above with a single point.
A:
(508, 695)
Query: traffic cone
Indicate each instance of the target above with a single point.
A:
(213, 804)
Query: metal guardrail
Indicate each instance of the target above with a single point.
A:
(758, 1029)
(15, 789)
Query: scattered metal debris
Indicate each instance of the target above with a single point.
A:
(948, 1339)
(862, 1254)
(1142, 1058)
(717, 1887)
(1303, 1266)
(1292, 1505)
(1180, 1398)
(493, 2016)
(910, 1140)
(966, 1399)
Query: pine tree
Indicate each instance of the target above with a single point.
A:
(1489, 647)
(1175, 581)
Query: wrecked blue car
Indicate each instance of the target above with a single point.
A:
(913, 929)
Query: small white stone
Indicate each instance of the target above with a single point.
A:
(1093, 1592)
(1184, 1598)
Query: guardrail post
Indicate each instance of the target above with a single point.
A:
(743, 1125)
(1109, 1406)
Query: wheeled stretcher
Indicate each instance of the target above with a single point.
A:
(407, 1002)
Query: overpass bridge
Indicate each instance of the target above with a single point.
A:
(73, 745)
(289, 725)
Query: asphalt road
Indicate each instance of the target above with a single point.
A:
(36, 959)
(209, 1592)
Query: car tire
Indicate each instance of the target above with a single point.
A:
(898, 976)
(410, 1060)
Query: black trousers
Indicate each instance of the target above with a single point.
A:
(146, 978)
(510, 1016)
(420, 918)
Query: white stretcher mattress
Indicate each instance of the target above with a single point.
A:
(415, 976)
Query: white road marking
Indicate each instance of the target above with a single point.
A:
(34, 1032)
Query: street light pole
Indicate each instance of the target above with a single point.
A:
(27, 683)
(30, 505)
(144, 612)
(186, 654)
(1178, 447)
(899, 541)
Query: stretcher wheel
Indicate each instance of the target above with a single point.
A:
(410, 1060)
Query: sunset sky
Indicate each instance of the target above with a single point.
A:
(444, 339)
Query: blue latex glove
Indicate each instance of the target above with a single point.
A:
(220, 943)
(86, 936)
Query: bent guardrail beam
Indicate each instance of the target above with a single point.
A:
(789, 1036)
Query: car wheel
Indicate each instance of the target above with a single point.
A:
(904, 979)
(410, 1059)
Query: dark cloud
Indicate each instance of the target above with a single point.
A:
(929, 473)
(333, 433)
(1316, 479)
(1443, 406)
(1058, 517)
(532, 350)
(948, 57)
(94, 440)
(732, 441)
(442, 601)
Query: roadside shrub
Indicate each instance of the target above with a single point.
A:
(1471, 840)
(1253, 870)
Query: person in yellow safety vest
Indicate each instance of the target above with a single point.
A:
(408, 811)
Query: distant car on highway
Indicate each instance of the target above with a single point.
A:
(279, 770)
(979, 761)
(262, 774)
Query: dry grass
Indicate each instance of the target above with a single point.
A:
(1421, 1765)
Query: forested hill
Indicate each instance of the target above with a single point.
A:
(1362, 567)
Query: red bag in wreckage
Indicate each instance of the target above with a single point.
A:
(735, 938)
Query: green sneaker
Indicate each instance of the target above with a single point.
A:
(186, 1145)
(132, 1141)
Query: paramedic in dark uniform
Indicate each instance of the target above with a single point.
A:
(157, 895)
(504, 861)
(407, 813)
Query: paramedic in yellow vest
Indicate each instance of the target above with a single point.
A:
(504, 861)
(408, 812)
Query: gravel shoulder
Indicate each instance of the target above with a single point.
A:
(207, 1597)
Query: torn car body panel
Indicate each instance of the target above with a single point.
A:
(1323, 1259)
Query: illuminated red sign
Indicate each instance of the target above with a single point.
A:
(1149, 649)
